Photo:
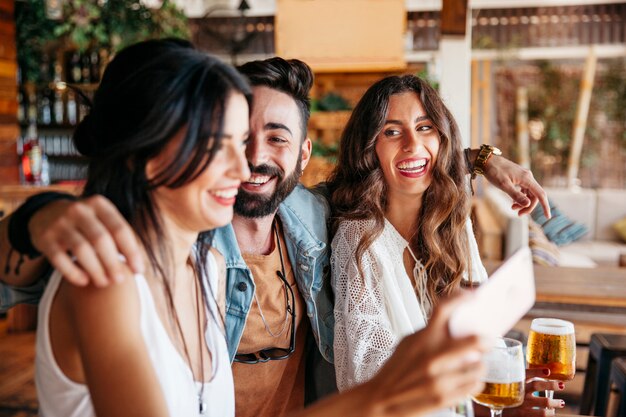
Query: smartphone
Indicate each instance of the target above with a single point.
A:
(497, 305)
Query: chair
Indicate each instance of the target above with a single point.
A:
(603, 348)
(616, 406)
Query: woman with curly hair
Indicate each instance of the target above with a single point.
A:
(403, 238)
(402, 233)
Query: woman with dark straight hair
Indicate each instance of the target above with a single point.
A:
(166, 139)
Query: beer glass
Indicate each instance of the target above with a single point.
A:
(552, 345)
(504, 383)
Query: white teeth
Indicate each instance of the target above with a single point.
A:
(258, 179)
(225, 193)
(412, 164)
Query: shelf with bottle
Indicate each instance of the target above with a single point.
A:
(55, 105)
(68, 81)
(49, 156)
(50, 110)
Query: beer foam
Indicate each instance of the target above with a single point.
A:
(556, 327)
(503, 368)
(504, 373)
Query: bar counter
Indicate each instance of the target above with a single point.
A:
(12, 195)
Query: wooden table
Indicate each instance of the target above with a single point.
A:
(600, 286)
(594, 299)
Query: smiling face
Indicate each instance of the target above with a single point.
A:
(407, 147)
(207, 201)
(276, 153)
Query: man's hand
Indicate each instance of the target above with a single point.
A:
(519, 183)
(92, 231)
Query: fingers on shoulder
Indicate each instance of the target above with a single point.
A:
(108, 216)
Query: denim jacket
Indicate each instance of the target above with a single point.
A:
(12, 296)
(303, 215)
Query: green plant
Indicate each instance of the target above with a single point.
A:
(83, 24)
(33, 33)
(328, 152)
(332, 102)
(425, 75)
(552, 100)
(114, 25)
(120, 23)
(610, 94)
(129, 21)
(170, 21)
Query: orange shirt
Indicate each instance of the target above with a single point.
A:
(276, 387)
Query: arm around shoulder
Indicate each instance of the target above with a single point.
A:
(17, 269)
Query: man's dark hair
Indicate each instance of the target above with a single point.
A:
(292, 77)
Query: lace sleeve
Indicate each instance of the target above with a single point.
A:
(364, 339)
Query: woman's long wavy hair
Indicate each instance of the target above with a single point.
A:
(150, 92)
(358, 189)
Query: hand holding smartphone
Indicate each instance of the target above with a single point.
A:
(497, 305)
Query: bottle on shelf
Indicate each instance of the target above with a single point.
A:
(45, 107)
(94, 59)
(31, 114)
(75, 71)
(103, 61)
(32, 156)
(45, 170)
(44, 68)
(58, 107)
(58, 70)
(72, 116)
(22, 99)
(21, 104)
(85, 68)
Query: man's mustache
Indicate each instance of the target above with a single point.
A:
(264, 169)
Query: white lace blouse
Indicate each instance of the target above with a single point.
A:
(374, 311)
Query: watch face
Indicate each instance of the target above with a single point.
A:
(488, 149)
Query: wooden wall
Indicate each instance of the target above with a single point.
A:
(9, 129)
(346, 35)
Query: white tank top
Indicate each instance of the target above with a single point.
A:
(61, 397)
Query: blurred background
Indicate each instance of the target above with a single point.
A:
(512, 71)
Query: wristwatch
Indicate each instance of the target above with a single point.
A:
(483, 157)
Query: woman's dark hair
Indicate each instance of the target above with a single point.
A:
(150, 92)
(358, 189)
(290, 76)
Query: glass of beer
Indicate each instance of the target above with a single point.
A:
(504, 383)
(552, 345)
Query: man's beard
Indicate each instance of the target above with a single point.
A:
(254, 205)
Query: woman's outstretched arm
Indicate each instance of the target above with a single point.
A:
(428, 371)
